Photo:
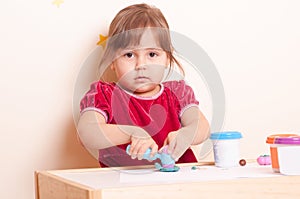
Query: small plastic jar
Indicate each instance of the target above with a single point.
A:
(226, 148)
(288, 154)
(273, 149)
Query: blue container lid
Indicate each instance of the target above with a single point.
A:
(225, 135)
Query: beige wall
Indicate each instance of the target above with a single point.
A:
(255, 46)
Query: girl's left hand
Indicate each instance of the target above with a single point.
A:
(178, 142)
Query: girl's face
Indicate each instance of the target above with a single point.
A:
(140, 69)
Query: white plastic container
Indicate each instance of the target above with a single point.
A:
(226, 147)
(288, 154)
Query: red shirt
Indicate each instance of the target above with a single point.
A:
(158, 115)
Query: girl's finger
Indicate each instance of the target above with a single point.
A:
(132, 145)
(176, 154)
(142, 150)
(166, 142)
(172, 146)
(135, 149)
(154, 149)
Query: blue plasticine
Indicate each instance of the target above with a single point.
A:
(164, 157)
(146, 155)
(172, 169)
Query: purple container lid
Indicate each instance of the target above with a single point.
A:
(288, 140)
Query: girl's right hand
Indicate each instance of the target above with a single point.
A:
(140, 142)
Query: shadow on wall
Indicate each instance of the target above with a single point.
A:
(73, 154)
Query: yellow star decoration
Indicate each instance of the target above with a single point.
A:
(102, 40)
(57, 2)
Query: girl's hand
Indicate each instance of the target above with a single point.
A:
(140, 142)
(194, 130)
(178, 142)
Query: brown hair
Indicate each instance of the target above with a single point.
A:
(129, 25)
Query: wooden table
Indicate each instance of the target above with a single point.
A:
(138, 182)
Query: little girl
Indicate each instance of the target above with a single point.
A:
(139, 108)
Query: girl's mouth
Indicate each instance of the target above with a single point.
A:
(141, 78)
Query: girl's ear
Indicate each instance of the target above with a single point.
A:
(109, 75)
(112, 66)
(168, 63)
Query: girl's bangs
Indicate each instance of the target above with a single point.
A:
(132, 38)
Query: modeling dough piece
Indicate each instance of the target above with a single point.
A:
(167, 162)
(264, 160)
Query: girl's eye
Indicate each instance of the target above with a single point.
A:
(152, 54)
(129, 55)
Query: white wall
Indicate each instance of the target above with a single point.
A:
(254, 44)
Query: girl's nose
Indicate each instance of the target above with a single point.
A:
(141, 63)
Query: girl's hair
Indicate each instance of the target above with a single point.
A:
(127, 28)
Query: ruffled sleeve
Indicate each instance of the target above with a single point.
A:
(98, 99)
(183, 93)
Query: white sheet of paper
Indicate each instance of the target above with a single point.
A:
(202, 173)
